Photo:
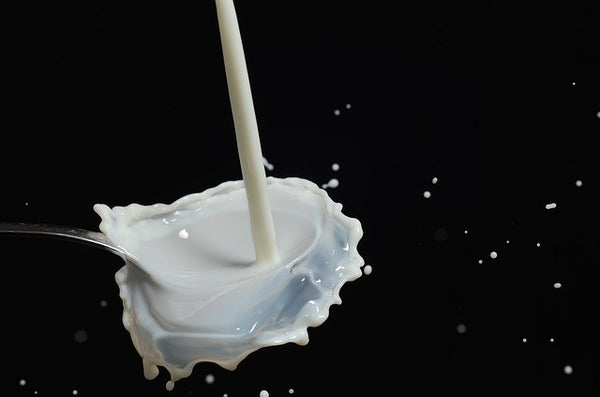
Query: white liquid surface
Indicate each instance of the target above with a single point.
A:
(200, 296)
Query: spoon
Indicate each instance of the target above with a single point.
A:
(88, 237)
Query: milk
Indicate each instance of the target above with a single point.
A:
(194, 291)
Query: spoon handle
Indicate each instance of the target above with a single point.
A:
(89, 237)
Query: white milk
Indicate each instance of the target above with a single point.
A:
(195, 292)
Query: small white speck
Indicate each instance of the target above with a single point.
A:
(538, 245)
(332, 183)
(348, 106)
(480, 261)
(210, 379)
(26, 203)
(598, 115)
(568, 369)
(367, 270)
(434, 180)
(267, 165)
(524, 340)
(493, 254)
(550, 206)
(183, 234)
(80, 336)
(557, 285)
(461, 328)
(103, 303)
(335, 166)
(291, 391)
(75, 392)
(578, 183)
(466, 232)
(573, 83)
(263, 393)
(337, 112)
(507, 241)
(551, 340)
(426, 194)
(22, 382)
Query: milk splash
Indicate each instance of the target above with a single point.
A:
(200, 296)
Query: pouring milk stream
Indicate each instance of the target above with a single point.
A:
(241, 266)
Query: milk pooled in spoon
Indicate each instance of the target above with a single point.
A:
(196, 293)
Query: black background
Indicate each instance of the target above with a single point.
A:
(119, 102)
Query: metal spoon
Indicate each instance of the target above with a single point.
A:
(88, 237)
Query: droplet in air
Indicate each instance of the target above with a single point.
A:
(434, 180)
(210, 379)
(568, 369)
(538, 245)
(493, 254)
(551, 340)
(291, 391)
(22, 382)
(578, 183)
(335, 166)
(80, 336)
(333, 183)
(267, 165)
(557, 285)
(426, 194)
(103, 303)
(480, 261)
(348, 106)
(263, 393)
(461, 328)
(367, 270)
(524, 340)
(550, 206)
(336, 112)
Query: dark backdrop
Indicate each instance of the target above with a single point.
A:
(114, 102)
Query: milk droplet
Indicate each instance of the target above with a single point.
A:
(367, 270)
(568, 369)
(550, 206)
(493, 254)
(263, 393)
(480, 261)
(333, 183)
(75, 392)
(461, 328)
(210, 379)
(267, 165)
(578, 183)
(170, 385)
(184, 234)
(291, 391)
(557, 285)
(336, 112)
(348, 106)
(80, 336)
(538, 245)
(426, 194)
(22, 382)
(103, 303)
(524, 340)
(551, 340)
(507, 241)
(335, 166)
(466, 231)
(598, 115)
(573, 83)
(434, 180)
